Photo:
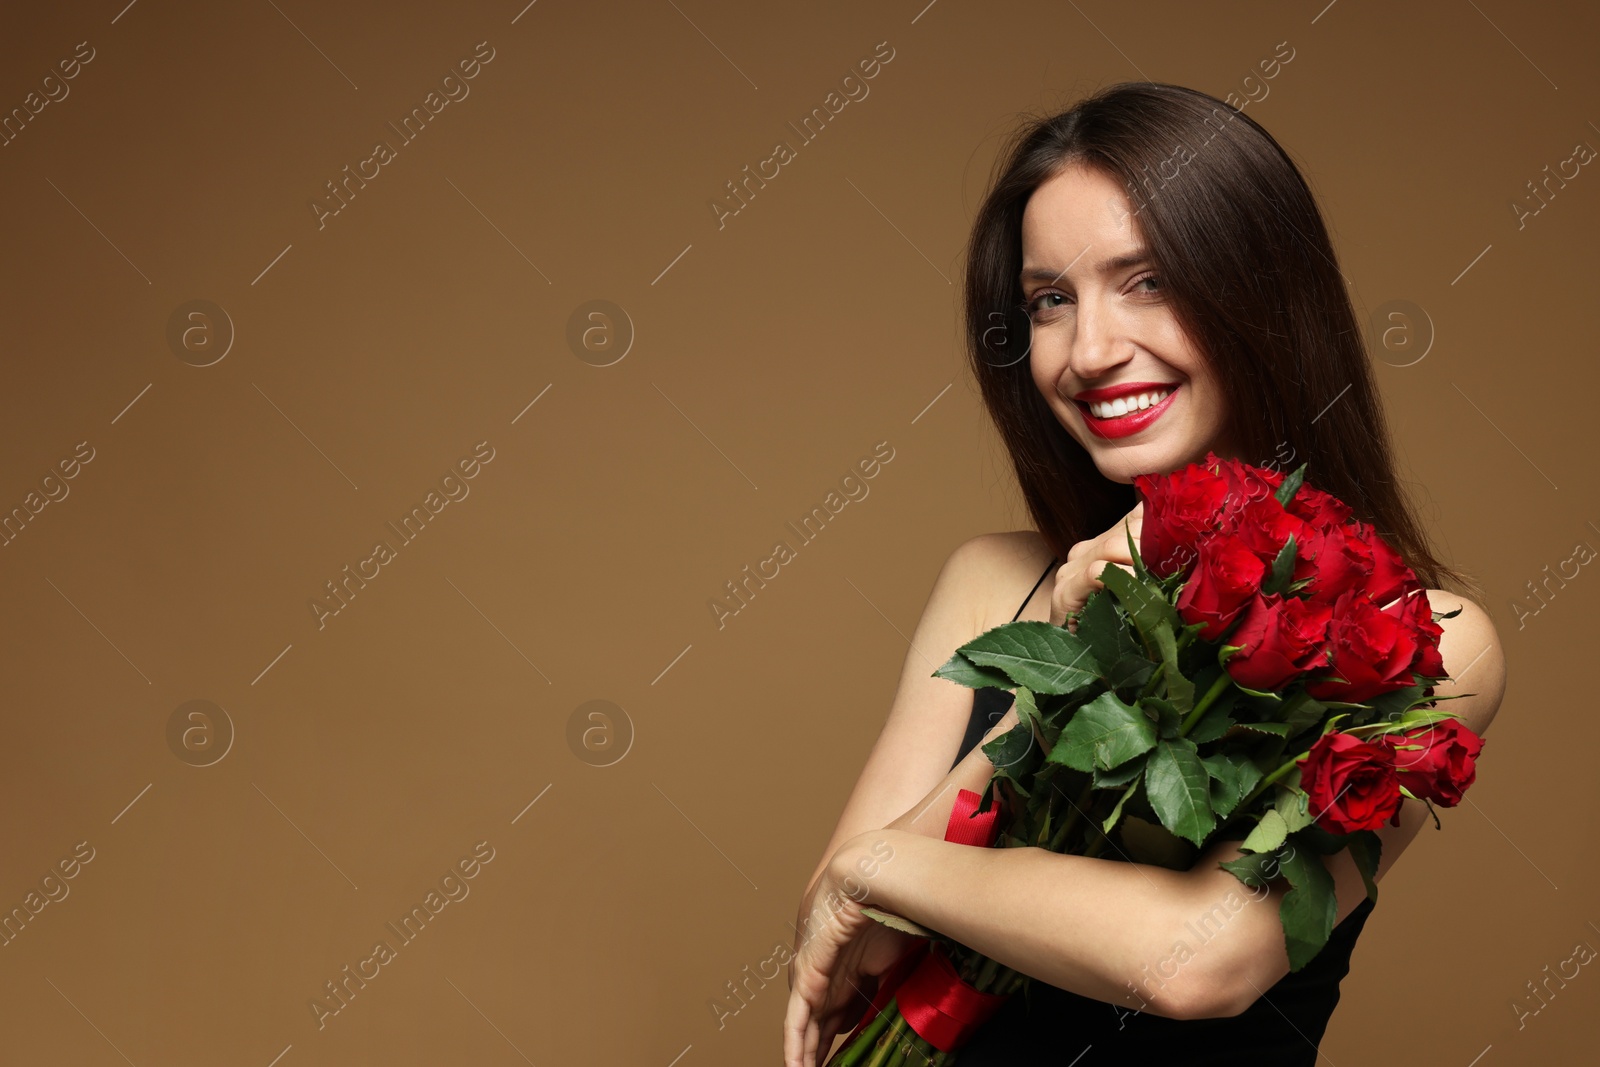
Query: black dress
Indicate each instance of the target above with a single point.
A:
(1062, 1029)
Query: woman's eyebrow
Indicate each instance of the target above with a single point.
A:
(1134, 258)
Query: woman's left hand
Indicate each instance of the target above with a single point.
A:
(840, 957)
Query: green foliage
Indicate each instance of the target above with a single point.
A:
(1282, 569)
(1291, 485)
(1308, 909)
(962, 671)
(1231, 779)
(1179, 788)
(1044, 657)
(1010, 755)
(1104, 733)
(1147, 607)
(1269, 833)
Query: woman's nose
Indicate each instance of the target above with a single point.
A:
(1099, 345)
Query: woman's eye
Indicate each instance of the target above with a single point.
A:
(1150, 278)
(1039, 306)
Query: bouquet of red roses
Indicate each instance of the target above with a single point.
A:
(1265, 674)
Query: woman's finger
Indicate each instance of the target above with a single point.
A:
(794, 1029)
(1061, 595)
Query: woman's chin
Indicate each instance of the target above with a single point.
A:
(1125, 464)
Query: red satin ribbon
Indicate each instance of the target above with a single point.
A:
(936, 1003)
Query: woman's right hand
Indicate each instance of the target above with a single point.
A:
(1086, 561)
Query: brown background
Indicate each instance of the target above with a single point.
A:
(371, 754)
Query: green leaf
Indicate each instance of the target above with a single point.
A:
(1044, 657)
(1365, 848)
(1104, 733)
(1304, 713)
(1121, 776)
(1027, 709)
(1132, 671)
(1281, 729)
(1291, 807)
(1213, 724)
(1396, 701)
(1291, 485)
(1308, 910)
(1102, 627)
(1008, 751)
(1144, 603)
(897, 922)
(1180, 789)
(1408, 720)
(1269, 833)
(1168, 717)
(1140, 571)
(962, 671)
(1230, 780)
(1116, 812)
(1256, 869)
(1179, 689)
(1282, 569)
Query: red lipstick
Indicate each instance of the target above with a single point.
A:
(1124, 425)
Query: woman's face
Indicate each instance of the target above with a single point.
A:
(1104, 333)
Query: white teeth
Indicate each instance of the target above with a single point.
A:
(1122, 405)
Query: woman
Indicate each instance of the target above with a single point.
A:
(1148, 279)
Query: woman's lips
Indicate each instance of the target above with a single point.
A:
(1126, 425)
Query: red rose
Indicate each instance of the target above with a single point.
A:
(1225, 577)
(1390, 575)
(1246, 484)
(1187, 505)
(1340, 560)
(1419, 613)
(1264, 528)
(1442, 765)
(1374, 650)
(1280, 639)
(1179, 509)
(1350, 784)
(1318, 508)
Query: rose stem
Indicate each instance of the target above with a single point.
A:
(886, 1042)
(850, 1055)
(1059, 838)
(1277, 773)
(1205, 702)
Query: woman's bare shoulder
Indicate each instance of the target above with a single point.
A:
(998, 569)
(1474, 658)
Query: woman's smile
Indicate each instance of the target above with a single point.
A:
(1124, 410)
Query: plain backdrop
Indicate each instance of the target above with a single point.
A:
(161, 213)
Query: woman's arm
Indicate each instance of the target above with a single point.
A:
(1183, 944)
(909, 764)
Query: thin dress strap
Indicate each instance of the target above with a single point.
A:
(1034, 590)
(988, 702)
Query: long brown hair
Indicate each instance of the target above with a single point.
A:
(1251, 275)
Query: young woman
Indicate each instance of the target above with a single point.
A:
(1148, 279)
